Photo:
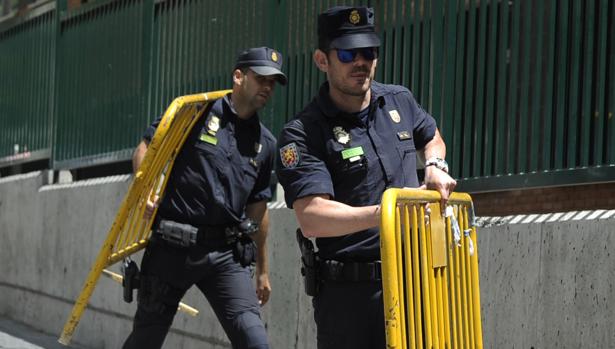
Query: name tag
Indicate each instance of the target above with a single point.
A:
(403, 135)
(208, 139)
(353, 154)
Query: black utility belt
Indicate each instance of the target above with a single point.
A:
(186, 235)
(331, 270)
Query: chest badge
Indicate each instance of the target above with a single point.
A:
(258, 147)
(213, 125)
(289, 155)
(341, 136)
(395, 116)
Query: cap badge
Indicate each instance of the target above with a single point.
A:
(274, 56)
(395, 116)
(289, 155)
(213, 125)
(342, 136)
(355, 17)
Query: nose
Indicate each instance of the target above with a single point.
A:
(269, 84)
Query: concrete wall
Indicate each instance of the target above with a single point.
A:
(543, 284)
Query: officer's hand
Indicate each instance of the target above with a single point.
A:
(150, 206)
(263, 288)
(436, 179)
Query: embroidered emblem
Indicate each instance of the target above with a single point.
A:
(289, 155)
(340, 135)
(354, 17)
(213, 125)
(395, 116)
(274, 56)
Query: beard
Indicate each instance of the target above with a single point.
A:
(351, 87)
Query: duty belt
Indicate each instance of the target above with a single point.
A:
(187, 235)
(331, 270)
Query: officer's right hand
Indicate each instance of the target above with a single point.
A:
(152, 204)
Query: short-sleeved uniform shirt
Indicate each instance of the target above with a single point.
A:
(353, 158)
(225, 164)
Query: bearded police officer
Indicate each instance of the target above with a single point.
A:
(212, 208)
(357, 138)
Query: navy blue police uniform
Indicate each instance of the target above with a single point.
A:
(353, 158)
(224, 165)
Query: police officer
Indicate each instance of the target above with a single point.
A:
(357, 138)
(217, 192)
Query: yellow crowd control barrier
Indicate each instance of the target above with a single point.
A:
(429, 271)
(129, 232)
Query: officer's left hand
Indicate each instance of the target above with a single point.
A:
(263, 288)
(436, 179)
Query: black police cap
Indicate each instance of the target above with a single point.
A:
(263, 61)
(346, 27)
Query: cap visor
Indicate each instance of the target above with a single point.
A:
(360, 40)
(268, 71)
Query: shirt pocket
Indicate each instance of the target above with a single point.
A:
(407, 155)
(348, 174)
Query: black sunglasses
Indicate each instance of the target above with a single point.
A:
(347, 56)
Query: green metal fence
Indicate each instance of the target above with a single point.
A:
(27, 50)
(523, 91)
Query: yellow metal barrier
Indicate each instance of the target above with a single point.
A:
(129, 232)
(429, 271)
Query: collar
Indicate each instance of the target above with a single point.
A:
(231, 113)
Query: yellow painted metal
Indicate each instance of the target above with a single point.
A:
(183, 307)
(438, 237)
(431, 296)
(129, 232)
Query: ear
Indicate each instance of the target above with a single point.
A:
(237, 77)
(321, 60)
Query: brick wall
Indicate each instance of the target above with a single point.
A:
(545, 200)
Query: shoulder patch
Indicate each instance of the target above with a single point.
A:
(289, 154)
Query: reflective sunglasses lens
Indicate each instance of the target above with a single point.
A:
(346, 56)
(368, 53)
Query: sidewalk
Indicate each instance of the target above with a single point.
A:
(14, 335)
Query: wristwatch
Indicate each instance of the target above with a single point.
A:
(438, 163)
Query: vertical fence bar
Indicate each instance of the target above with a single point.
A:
(610, 127)
(587, 115)
(425, 272)
(598, 148)
(521, 137)
(409, 223)
(418, 276)
(549, 93)
(458, 139)
(481, 133)
(575, 82)
(432, 302)
(452, 289)
(448, 79)
(561, 64)
(502, 89)
(491, 29)
(400, 274)
(512, 126)
(535, 116)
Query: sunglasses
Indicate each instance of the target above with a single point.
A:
(347, 56)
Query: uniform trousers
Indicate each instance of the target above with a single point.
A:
(168, 272)
(350, 315)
